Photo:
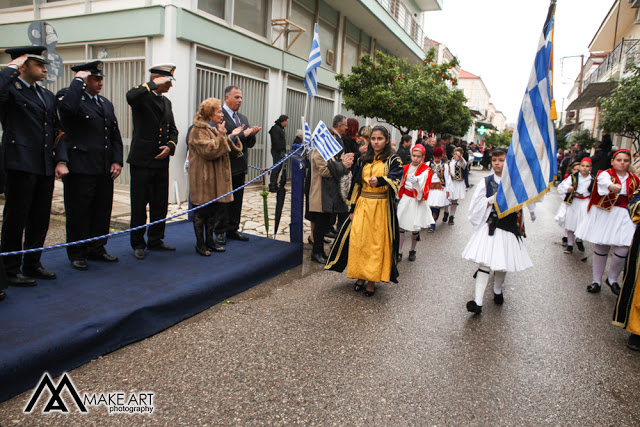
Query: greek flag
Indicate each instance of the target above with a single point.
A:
(306, 139)
(324, 142)
(315, 59)
(531, 166)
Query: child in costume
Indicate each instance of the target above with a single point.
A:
(496, 244)
(455, 182)
(562, 209)
(607, 225)
(367, 243)
(577, 189)
(438, 195)
(413, 212)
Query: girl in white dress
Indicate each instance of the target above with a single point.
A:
(496, 244)
(438, 195)
(576, 189)
(413, 212)
(607, 224)
(455, 181)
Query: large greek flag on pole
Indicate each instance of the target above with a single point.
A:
(531, 165)
(315, 59)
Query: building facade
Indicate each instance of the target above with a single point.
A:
(257, 45)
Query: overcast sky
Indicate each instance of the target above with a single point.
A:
(497, 40)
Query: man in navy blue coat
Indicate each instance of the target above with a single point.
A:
(30, 124)
(88, 159)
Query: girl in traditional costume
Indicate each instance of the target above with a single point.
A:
(413, 212)
(607, 225)
(367, 243)
(455, 182)
(627, 312)
(496, 245)
(438, 195)
(576, 189)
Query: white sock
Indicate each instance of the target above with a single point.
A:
(452, 209)
(600, 255)
(482, 278)
(414, 240)
(618, 261)
(571, 238)
(498, 280)
(401, 242)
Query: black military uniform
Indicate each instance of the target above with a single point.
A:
(29, 123)
(231, 222)
(153, 128)
(91, 144)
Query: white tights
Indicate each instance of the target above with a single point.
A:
(618, 260)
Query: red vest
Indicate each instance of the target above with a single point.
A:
(609, 201)
(427, 185)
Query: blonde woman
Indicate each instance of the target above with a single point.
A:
(210, 170)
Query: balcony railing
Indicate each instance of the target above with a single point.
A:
(627, 51)
(402, 15)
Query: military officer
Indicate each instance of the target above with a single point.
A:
(154, 140)
(88, 159)
(29, 123)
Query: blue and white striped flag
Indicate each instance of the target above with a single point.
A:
(306, 139)
(531, 167)
(324, 142)
(315, 59)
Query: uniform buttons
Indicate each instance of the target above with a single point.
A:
(87, 117)
(45, 145)
(46, 134)
(45, 123)
(105, 146)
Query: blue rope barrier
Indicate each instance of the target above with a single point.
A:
(141, 227)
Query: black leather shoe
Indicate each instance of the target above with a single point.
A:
(580, 246)
(634, 342)
(568, 249)
(220, 239)
(358, 287)
(234, 235)
(450, 222)
(330, 234)
(21, 281)
(139, 253)
(593, 288)
(40, 273)
(445, 217)
(215, 247)
(3, 295)
(80, 265)
(565, 240)
(474, 308)
(498, 298)
(162, 247)
(318, 258)
(103, 257)
(412, 255)
(615, 288)
(273, 189)
(369, 293)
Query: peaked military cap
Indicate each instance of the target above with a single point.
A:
(37, 53)
(163, 70)
(95, 67)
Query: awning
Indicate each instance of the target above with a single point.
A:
(486, 125)
(589, 97)
(476, 113)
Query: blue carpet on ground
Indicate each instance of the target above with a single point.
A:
(64, 323)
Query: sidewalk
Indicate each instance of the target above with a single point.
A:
(252, 221)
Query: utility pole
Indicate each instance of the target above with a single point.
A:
(575, 125)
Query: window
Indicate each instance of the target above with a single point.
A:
(5, 4)
(303, 17)
(327, 33)
(214, 7)
(251, 15)
(350, 55)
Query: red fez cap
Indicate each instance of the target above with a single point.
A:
(419, 147)
(622, 150)
(438, 152)
(586, 159)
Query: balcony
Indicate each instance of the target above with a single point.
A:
(403, 16)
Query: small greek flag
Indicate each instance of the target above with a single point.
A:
(315, 59)
(531, 165)
(324, 142)
(306, 139)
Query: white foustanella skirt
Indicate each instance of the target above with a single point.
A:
(501, 252)
(413, 215)
(601, 227)
(437, 199)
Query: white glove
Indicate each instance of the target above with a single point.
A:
(408, 185)
(533, 216)
(490, 200)
(412, 179)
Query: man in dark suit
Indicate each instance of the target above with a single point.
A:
(154, 140)
(29, 123)
(233, 119)
(88, 159)
(278, 149)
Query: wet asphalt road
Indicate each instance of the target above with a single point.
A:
(304, 348)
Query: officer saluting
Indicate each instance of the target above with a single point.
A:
(89, 158)
(29, 123)
(154, 140)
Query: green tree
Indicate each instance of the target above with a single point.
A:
(406, 96)
(498, 139)
(584, 137)
(620, 110)
(561, 139)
